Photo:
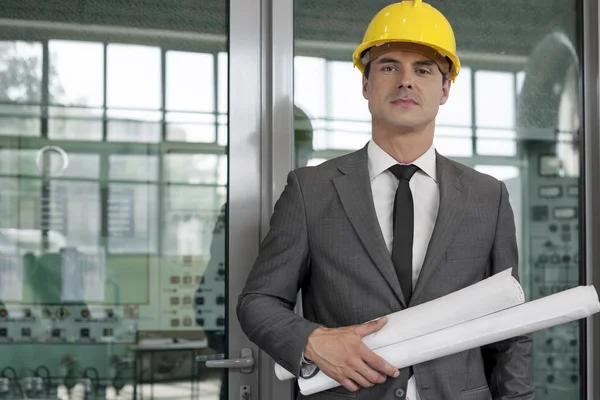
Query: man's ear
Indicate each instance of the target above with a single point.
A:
(365, 87)
(445, 91)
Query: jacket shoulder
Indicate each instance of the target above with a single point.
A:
(325, 171)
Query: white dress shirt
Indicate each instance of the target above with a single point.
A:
(426, 198)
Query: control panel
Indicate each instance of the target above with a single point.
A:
(554, 262)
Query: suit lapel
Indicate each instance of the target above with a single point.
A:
(354, 190)
(453, 200)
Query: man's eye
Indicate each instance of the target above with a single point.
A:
(422, 71)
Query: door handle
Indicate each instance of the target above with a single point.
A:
(244, 363)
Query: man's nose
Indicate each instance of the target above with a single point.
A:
(405, 79)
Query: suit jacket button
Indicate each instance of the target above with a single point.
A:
(399, 393)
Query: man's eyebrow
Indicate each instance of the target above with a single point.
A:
(387, 60)
(428, 63)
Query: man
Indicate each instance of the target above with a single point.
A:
(390, 226)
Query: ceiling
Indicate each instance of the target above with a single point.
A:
(503, 27)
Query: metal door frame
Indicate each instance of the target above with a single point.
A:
(590, 165)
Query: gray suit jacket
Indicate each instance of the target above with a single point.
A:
(325, 239)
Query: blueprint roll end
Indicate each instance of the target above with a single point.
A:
(282, 374)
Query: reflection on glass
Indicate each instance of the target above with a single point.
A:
(20, 120)
(497, 109)
(192, 168)
(496, 142)
(496, 147)
(20, 82)
(309, 83)
(458, 110)
(78, 80)
(453, 147)
(191, 127)
(134, 167)
(23, 162)
(79, 73)
(19, 206)
(131, 218)
(190, 81)
(189, 218)
(344, 92)
(121, 258)
(134, 78)
(223, 96)
(223, 82)
(75, 123)
(20, 72)
(134, 126)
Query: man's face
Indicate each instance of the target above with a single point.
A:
(404, 91)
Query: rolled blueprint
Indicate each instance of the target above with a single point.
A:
(498, 292)
(556, 309)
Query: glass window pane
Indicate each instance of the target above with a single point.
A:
(345, 135)
(309, 85)
(133, 238)
(496, 142)
(20, 72)
(74, 211)
(500, 172)
(75, 123)
(192, 168)
(20, 120)
(133, 167)
(78, 73)
(190, 81)
(453, 147)
(344, 91)
(134, 126)
(23, 162)
(191, 127)
(19, 207)
(458, 110)
(223, 130)
(496, 147)
(520, 77)
(453, 132)
(190, 217)
(223, 82)
(134, 77)
(495, 109)
(132, 218)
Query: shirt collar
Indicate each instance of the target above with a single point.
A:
(380, 161)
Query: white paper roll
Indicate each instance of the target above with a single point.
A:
(498, 292)
(557, 309)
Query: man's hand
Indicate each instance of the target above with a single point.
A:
(341, 355)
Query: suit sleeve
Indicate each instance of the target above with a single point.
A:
(265, 306)
(508, 363)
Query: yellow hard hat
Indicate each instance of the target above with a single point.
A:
(412, 22)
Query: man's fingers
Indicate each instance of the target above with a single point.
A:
(379, 363)
(371, 326)
(348, 384)
(359, 379)
(371, 375)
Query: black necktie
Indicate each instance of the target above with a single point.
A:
(404, 221)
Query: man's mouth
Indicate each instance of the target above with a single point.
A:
(405, 102)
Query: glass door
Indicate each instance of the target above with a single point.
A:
(114, 174)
